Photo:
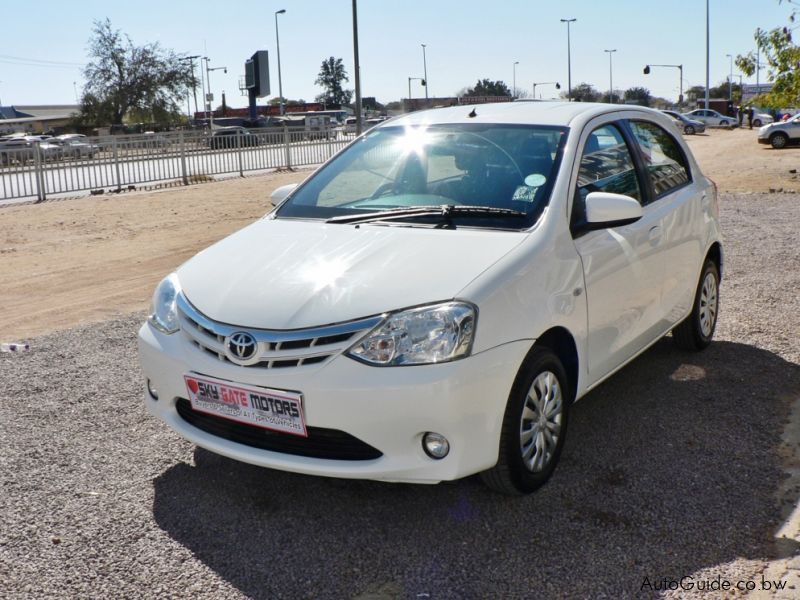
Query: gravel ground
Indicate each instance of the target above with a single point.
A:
(671, 469)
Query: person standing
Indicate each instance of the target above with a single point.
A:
(750, 113)
(740, 114)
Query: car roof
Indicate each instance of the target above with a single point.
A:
(563, 114)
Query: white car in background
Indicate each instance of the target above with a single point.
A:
(430, 303)
(711, 118)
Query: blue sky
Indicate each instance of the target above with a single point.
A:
(466, 40)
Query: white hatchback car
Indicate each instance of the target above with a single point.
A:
(429, 303)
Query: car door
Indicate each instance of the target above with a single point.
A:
(677, 203)
(621, 265)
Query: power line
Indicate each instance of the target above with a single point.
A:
(37, 61)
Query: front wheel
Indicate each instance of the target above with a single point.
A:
(534, 426)
(779, 140)
(696, 331)
(757, 122)
(689, 130)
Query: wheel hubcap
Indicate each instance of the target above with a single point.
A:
(708, 304)
(540, 423)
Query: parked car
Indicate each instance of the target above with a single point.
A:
(232, 137)
(15, 149)
(76, 147)
(684, 123)
(780, 134)
(430, 303)
(711, 118)
(760, 119)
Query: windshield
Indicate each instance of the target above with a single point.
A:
(497, 166)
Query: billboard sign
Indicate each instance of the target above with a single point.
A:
(256, 73)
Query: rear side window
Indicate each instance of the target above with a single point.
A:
(665, 162)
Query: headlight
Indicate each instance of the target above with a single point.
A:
(419, 336)
(164, 312)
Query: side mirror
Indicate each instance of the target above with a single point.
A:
(605, 210)
(279, 195)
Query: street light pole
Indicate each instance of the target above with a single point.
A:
(730, 79)
(425, 70)
(569, 60)
(410, 79)
(646, 71)
(514, 84)
(558, 86)
(210, 97)
(708, 53)
(278, 46)
(610, 77)
(357, 69)
(194, 79)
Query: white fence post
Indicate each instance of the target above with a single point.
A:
(182, 143)
(288, 143)
(116, 163)
(239, 143)
(38, 173)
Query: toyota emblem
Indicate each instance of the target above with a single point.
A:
(242, 346)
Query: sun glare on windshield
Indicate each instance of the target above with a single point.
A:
(414, 140)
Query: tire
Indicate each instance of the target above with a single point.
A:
(725, 123)
(689, 130)
(779, 140)
(757, 123)
(534, 426)
(696, 331)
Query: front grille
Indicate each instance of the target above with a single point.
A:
(277, 349)
(330, 444)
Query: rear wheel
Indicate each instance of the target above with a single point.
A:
(689, 130)
(696, 331)
(757, 122)
(779, 140)
(534, 426)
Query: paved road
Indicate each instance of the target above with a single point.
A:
(670, 469)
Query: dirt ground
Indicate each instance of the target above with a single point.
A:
(85, 260)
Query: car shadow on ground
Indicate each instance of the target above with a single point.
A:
(671, 467)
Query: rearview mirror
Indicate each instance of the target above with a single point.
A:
(279, 195)
(604, 210)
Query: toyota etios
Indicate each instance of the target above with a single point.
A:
(429, 303)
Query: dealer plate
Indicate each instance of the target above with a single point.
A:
(277, 410)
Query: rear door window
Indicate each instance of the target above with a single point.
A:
(663, 158)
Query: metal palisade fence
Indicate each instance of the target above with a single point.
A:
(41, 169)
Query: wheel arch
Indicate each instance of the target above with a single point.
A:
(561, 343)
(715, 253)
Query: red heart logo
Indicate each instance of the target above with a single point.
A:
(192, 385)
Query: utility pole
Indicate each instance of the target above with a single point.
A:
(357, 68)
(569, 60)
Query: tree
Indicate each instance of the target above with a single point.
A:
(615, 98)
(782, 57)
(638, 95)
(583, 92)
(122, 77)
(486, 87)
(331, 77)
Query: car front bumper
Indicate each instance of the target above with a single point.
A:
(389, 408)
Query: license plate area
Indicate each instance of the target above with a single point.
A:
(275, 410)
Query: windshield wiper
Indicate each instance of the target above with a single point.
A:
(446, 211)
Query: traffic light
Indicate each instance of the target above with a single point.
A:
(647, 70)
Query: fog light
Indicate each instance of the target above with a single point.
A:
(435, 445)
(151, 390)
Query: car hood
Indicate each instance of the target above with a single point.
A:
(283, 274)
